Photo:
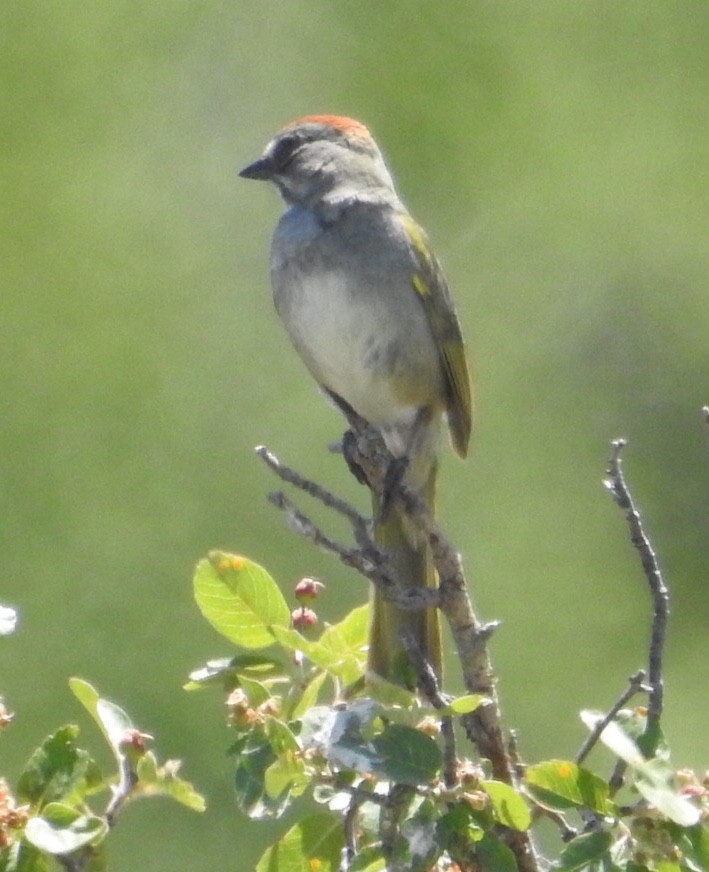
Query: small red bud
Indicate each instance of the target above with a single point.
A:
(16, 818)
(693, 790)
(308, 589)
(135, 741)
(304, 618)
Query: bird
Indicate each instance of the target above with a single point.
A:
(366, 306)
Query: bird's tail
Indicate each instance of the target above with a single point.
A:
(411, 562)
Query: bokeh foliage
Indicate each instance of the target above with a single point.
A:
(557, 154)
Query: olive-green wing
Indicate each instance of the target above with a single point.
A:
(430, 285)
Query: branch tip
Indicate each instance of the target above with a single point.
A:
(659, 593)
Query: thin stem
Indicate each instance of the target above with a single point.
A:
(77, 861)
(367, 560)
(359, 523)
(350, 834)
(636, 684)
(616, 484)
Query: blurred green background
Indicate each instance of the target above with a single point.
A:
(558, 154)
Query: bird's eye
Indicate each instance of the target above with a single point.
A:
(284, 150)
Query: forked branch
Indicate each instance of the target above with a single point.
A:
(366, 452)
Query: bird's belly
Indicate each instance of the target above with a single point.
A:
(352, 346)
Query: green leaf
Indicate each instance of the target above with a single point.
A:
(87, 695)
(658, 792)
(616, 738)
(584, 850)
(226, 671)
(164, 781)
(464, 705)
(494, 856)
(399, 753)
(351, 751)
(406, 755)
(239, 599)
(23, 857)
(654, 778)
(351, 633)
(308, 698)
(314, 843)
(257, 692)
(458, 829)
(561, 784)
(348, 641)
(698, 837)
(389, 694)
(287, 772)
(111, 718)
(117, 724)
(280, 735)
(370, 859)
(62, 829)
(317, 725)
(337, 734)
(147, 769)
(55, 769)
(254, 756)
(314, 651)
(508, 806)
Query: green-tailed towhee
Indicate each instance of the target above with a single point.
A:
(366, 305)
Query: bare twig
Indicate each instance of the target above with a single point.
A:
(360, 524)
(350, 833)
(566, 832)
(616, 484)
(636, 684)
(615, 782)
(301, 524)
(81, 859)
(368, 560)
(123, 790)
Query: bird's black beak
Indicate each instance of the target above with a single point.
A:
(261, 169)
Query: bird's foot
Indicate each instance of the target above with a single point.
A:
(349, 452)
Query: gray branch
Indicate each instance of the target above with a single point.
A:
(636, 684)
(618, 488)
(369, 460)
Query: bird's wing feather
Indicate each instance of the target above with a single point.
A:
(431, 289)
